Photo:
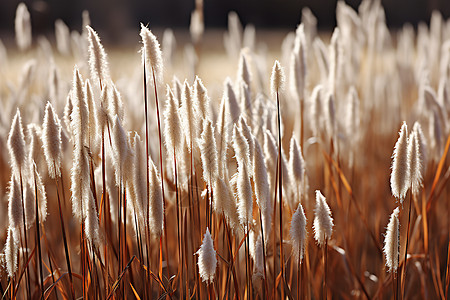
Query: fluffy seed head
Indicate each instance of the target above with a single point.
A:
(415, 162)
(224, 202)
(15, 208)
(392, 241)
(276, 79)
(298, 64)
(244, 191)
(51, 140)
(207, 261)
(262, 190)
(98, 62)
(401, 172)
(241, 148)
(16, 144)
(156, 209)
(35, 153)
(22, 24)
(172, 125)
(120, 147)
(200, 97)
(80, 113)
(208, 150)
(296, 162)
(11, 251)
(422, 145)
(79, 182)
(298, 233)
(151, 54)
(92, 227)
(323, 222)
(188, 114)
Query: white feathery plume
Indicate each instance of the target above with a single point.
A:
(207, 261)
(172, 129)
(102, 113)
(422, 145)
(80, 113)
(246, 101)
(11, 251)
(296, 166)
(98, 61)
(151, 54)
(401, 171)
(415, 162)
(62, 36)
(42, 195)
(208, 150)
(298, 64)
(334, 64)
(188, 114)
(232, 107)
(224, 202)
(241, 149)
(323, 222)
(391, 247)
(270, 156)
(29, 203)
(51, 140)
(92, 114)
(156, 209)
(244, 73)
(22, 24)
(256, 252)
(35, 152)
(247, 134)
(15, 208)
(197, 26)
(177, 89)
(92, 226)
(298, 233)
(262, 190)
(120, 148)
(201, 99)
(168, 46)
(316, 110)
(222, 138)
(16, 145)
(67, 114)
(276, 79)
(80, 182)
(114, 104)
(244, 193)
(139, 178)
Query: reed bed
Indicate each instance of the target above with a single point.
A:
(192, 171)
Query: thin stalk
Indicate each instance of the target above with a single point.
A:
(38, 239)
(66, 249)
(265, 289)
(27, 273)
(246, 263)
(406, 248)
(325, 263)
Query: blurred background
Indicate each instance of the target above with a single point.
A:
(114, 17)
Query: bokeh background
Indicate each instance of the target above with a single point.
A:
(114, 17)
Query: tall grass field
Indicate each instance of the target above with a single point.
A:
(235, 164)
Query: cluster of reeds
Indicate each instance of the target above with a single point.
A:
(142, 185)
